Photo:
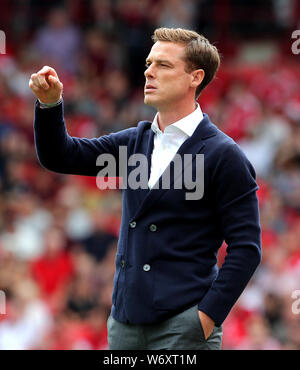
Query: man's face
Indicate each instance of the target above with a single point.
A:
(167, 82)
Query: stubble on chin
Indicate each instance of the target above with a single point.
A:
(149, 101)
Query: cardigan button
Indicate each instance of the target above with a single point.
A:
(153, 227)
(122, 263)
(132, 224)
(146, 267)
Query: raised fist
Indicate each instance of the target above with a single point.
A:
(46, 85)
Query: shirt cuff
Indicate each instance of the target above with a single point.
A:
(51, 105)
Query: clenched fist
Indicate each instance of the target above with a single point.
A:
(46, 86)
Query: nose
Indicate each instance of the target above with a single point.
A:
(149, 72)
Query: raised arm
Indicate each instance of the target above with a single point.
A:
(56, 150)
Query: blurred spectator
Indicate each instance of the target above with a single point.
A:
(287, 163)
(176, 13)
(59, 41)
(103, 15)
(28, 318)
(262, 141)
(135, 27)
(259, 336)
(23, 226)
(81, 300)
(53, 270)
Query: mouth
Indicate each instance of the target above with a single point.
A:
(149, 88)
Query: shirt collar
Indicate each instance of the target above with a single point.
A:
(187, 124)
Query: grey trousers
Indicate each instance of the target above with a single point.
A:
(180, 332)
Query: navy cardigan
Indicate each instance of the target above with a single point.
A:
(168, 245)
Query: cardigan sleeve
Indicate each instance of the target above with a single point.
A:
(59, 152)
(237, 211)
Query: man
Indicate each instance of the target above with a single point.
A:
(168, 292)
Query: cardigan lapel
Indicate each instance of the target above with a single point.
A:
(193, 145)
(145, 147)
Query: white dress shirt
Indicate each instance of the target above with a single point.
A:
(167, 143)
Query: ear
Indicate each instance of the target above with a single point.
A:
(197, 77)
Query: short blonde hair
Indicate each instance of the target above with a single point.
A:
(199, 52)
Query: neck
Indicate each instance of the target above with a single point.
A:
(169, 116)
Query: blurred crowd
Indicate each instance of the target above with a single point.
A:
(58, 233)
